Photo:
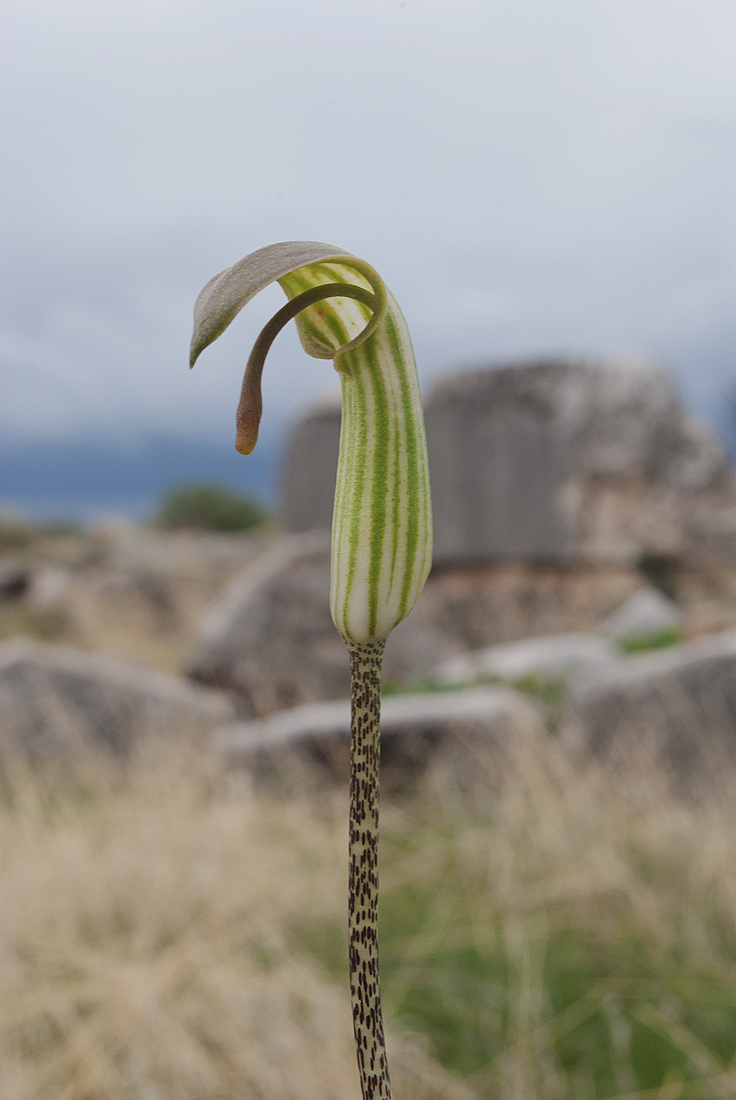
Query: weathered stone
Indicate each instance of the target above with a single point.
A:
(49, 587)
(15, 579)
(310, 468)
(470, 735)
(711, 529)
(271, 639)
(173, 574)
(549, 461)
(676, 706)
(556, 657)
(495, 604)
(560, 460)
(646, 612)
(496, 465)
(139, 594)
(60, 704)
(417, 644)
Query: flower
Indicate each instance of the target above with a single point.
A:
(382, 521)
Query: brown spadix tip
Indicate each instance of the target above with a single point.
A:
(250, 407)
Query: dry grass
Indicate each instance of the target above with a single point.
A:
(150, 947)
(170, 936)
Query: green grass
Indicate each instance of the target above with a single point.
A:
(641, 643)
(563, 998)
(541, 687)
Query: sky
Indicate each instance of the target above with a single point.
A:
(530, 178)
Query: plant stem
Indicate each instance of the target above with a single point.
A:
(365, 748)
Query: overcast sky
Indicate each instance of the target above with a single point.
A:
(530, 178)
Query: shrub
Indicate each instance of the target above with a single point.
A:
(208, 508)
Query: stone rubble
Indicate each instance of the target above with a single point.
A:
(472, 735)
(675, 706)
(59, 704)
(564, 657)
(646, 612)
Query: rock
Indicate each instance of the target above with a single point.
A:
(711, 523)
(556, 657)
(15, 579)
(272, 642)
(565, 460)
(308, 483)
(676, 706)
(497, 464)
(416, 645)
(170, 574)
(61, 705)
(497, 604)
(646, 612)
(49, 587)
(139, 594)
(553, 461)
(270, 639)
(471, 735)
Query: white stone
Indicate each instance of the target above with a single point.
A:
(59, 704)
(676, 705)
(467, 732)
(645, 612)
(271, 639)
(555, 657)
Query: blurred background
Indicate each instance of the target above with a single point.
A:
(530, 178)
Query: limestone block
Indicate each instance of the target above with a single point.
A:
(272, 642)
(556, 657)
(675, 706)
(496, 465)
(61, 704)
(645, 612)
(310, 469)
(559, 461)
(270, 639)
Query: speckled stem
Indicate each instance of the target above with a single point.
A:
(365, 747)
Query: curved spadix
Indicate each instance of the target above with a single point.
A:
(382, 522)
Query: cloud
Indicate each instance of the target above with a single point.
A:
(529, 178)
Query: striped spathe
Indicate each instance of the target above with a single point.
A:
(382, 522)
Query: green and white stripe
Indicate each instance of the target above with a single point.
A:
(382, 523)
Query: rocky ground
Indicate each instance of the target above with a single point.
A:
(113, 634)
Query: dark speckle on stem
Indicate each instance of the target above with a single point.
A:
(365, 667)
